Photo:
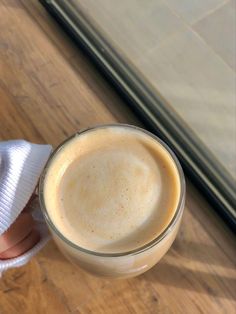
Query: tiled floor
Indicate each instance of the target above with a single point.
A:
(201, 88)
(218, 29)
(135, 31)
(187, 50)
(193, 10)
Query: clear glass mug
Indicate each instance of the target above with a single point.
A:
(124, 264)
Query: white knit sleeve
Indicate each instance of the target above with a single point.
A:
(21, 164)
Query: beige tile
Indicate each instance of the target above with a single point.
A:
(201, 88)
(135, 27)
(192, 10)
(218, 30)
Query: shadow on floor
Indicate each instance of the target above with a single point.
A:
(204, 253)
(199, 281)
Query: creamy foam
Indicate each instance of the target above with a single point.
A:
(112, 189)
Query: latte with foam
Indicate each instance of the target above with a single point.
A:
(112, 189)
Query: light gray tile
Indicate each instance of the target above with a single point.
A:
(183, 68)
(201, 88)
(134, 26)
(192, 10)
(219, 31)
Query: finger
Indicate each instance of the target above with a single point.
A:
(23, 246)
(17, 231)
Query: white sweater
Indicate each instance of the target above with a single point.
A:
(21, 164)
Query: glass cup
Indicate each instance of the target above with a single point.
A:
(124, 264)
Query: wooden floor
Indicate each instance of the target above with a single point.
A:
(49, 90)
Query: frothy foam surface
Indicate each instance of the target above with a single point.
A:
(112, 189)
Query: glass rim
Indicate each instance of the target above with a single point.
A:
(150, 244)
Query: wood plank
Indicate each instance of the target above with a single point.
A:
(211, 222)
(79, 62)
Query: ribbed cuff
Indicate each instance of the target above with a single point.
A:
(21, 164)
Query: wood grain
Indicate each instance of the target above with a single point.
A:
(48, 90)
